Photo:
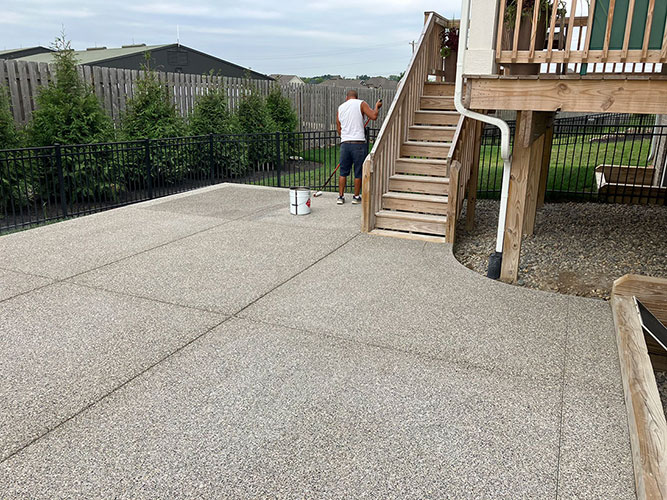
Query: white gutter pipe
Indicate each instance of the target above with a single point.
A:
(495, 259)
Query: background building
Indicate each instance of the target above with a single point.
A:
(172, 58)
(288, 79)
(23, 52)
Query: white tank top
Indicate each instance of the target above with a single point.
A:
(351, 121)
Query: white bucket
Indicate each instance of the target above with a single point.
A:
(299, 200)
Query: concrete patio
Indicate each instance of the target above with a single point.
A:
(211, 345)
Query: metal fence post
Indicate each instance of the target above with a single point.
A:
(147, 161)
(61, 179)
(278, 162)
(211, 162)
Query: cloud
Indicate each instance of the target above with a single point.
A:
(292, 36)
(13, 18)
(177, 9)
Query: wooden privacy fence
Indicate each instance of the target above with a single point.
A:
(315, 105)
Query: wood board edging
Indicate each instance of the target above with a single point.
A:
(646, 418)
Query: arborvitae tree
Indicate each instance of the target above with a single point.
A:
(151, 114)
(254, 118)
(211, 115)
(68, 111)
(15, 185)
(281, 111)
(9, 135)
(253, 113)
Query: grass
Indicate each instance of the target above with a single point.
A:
(571, 170)
(572, 166)
(327, 157)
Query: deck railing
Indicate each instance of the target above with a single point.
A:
(380, 163)
(463, 163)
(583, 36)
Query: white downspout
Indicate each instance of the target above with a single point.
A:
(495, 259)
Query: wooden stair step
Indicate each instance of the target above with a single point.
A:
(414, 202)
(431, 117)
(439, 89)
(421, 166)
(409, 236)
(444, 103)
(435, 133)
(417, 223)
(419, 184)
(423, 149)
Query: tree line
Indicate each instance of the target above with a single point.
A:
(69, 113)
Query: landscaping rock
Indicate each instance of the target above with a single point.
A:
(661, 379)
(578, 248)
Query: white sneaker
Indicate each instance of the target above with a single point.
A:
(340, 200)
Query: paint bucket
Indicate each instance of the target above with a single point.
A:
(299, 200)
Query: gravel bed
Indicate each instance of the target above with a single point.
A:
(661, 379)
(577, 249)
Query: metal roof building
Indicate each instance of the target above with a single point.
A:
(174, 58)
(23, 52)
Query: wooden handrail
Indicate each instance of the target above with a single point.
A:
(453, 149)
(379, 165)
(462, 161)
(401, 89)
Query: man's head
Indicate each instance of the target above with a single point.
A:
(352, 94)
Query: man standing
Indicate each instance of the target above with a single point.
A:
(353, 146)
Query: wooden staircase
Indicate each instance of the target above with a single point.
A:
(415, 204)
(423, 160)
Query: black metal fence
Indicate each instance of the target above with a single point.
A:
(603, 158)
(594, 158)
(39, 185)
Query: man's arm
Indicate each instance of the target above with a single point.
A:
(371, 113)
(338, 124)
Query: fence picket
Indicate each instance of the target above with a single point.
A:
(315, 104)
(14, 91)
(34, 85)
(25, 89)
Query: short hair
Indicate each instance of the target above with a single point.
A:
(353, 94)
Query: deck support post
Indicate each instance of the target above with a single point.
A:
(524, 184)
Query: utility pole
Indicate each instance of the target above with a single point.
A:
(413, 43)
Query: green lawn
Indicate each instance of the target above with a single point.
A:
(572, 166)
(326, 156)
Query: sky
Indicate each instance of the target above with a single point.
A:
(306, 38)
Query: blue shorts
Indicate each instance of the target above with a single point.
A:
(352, 154)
